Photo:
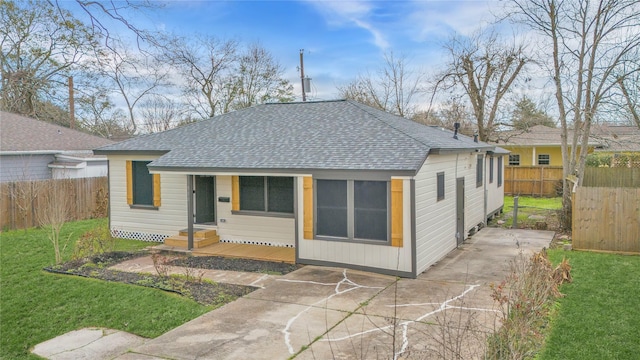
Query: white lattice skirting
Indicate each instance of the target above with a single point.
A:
(253, 242)
(136, 235)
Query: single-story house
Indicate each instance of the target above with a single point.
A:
(341, 182)
(622, 143)
(31, 149)
(537, 146)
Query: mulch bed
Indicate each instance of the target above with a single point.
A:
(203, 292)
(235, 264)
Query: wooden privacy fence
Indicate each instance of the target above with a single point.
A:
(614, 177)
(606, 219)
(532, 180)
(21, 202)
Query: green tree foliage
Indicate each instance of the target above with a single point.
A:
(526, 114)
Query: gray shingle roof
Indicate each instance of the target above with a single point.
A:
(331, 135)
(20, 133)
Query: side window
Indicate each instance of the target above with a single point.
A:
(479, 166)
(491, 170)
(440, 181)
(500, 171)
(514, 160)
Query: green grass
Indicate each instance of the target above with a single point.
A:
(528, 206)
(600, 316)
(36, 306)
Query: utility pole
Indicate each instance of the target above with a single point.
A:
(304, 96)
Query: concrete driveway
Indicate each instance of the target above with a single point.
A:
(321, 312)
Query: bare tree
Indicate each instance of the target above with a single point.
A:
(393, 88)
(133, 77)
(159, 114)
(449, 113)
(40, 46)
(103, 14)
(205, 64)
(259, 79)
(587, 42)
(54, 211)
(485, 69)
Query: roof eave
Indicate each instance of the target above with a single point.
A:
(129, 152)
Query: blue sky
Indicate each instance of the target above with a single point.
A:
(341, 38)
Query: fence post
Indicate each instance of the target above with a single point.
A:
(515, 213)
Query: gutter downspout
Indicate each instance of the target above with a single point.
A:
(486, 191)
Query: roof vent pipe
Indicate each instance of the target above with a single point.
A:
(475, 137)
(456, 126)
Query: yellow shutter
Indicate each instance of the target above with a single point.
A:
(396, 212)
(307, 198)
(235, 193)
(156, 190)
(129, 180)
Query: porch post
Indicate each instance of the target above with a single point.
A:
(189, 212)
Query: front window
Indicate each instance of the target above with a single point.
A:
(266, 194)
(544, 159)
(142, 183)
(352, 209)
(514, 160)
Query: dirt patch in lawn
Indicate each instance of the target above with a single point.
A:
(200, 290)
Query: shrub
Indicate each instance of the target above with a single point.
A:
(526, 298)
(94, 242)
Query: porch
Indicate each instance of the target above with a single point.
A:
(244, 251)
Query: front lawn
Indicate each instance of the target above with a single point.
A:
(37, 306)
(600, 316)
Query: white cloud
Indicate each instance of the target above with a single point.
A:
(346, 13)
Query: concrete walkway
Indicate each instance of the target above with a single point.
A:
(322, 312)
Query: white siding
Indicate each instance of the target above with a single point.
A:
(268, 230)
(436, 220)
(495, 194)
(86, 170)
(474, 195)
(365, 255)
(25, 167)
(170, 217)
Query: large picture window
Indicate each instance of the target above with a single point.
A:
(266, 194)
(142, 183)
(352, 209)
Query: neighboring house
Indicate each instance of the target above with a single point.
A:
(537, 146)
(343, 183)
(620, 142)
(31, 149)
